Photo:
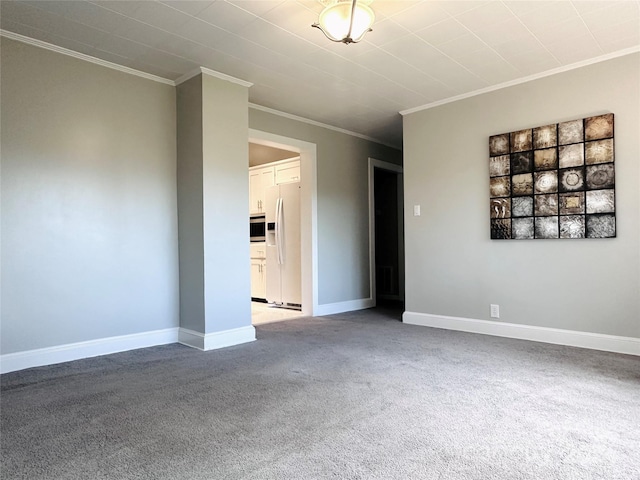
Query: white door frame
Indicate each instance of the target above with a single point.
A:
(308, 211)
(373, 164)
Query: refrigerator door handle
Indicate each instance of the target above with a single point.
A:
(279, 231)
(276, 230)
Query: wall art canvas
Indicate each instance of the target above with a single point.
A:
(554, 181)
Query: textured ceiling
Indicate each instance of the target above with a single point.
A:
(420, 51)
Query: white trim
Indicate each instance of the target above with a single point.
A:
(212, 73)
(308, 211)
(11, 362)
(215, 340)
(187, 76)
(320, 124)
(573, 338)
(348, 306)
(85, 57)
(224, 76)
(529, 78)
(373, 164)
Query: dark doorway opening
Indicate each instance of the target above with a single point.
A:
(388, 238)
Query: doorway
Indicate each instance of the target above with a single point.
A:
(272, 284)
(308, 216)
(386, 224)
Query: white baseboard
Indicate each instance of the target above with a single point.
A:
(215, 340)
(11, 362)
(573, 338)
(341, 307)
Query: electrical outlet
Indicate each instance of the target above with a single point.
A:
(495, 311)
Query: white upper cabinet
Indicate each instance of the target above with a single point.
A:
(288, 172)
(259, 180)
(264, 176)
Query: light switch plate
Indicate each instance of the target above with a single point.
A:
(416, 210)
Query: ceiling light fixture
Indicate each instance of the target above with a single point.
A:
(345, 21)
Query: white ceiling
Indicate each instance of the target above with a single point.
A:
(261, 154)
(420, 51)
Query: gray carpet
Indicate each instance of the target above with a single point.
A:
(352, 396)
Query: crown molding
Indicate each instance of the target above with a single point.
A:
(519, 81)
(320, 124)
(212, 73)
(83, 56)
(224, 76)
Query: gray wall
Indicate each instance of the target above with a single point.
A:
(89, 202)
(213, 192)
(226, 200)
(343, 221)
(89, 221)
(190, 203)
(454, 269)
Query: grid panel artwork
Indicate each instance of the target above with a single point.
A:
(554, 181)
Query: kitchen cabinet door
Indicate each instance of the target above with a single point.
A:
(259, 180)
(258, 285)
(288, 172)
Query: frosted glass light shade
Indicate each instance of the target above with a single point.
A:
(336, 23)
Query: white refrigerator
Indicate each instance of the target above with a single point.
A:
(282, 216)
